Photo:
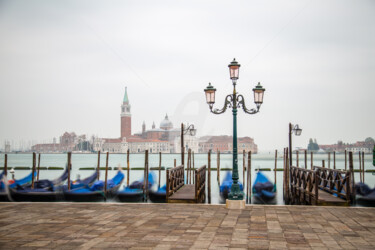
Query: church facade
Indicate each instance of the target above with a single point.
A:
(164, 139)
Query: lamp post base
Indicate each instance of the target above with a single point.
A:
(235, 204)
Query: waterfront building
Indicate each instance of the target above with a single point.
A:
(224, 144)
(365, 146)
(154, 140)
(190, 142)
(165, 139)
(126, 118)
(68, 142)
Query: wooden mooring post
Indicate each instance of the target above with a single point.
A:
(128, 167)
(334, 159)
(312, 160)
(145, 180)
(323, 163)
(346, 161)
(363, 166)
(69, 167)
(6, 165)
(194, 176)
(351, 169)
(248, 185)
(37, 176)
(305, 159)
(159, 169)
(218, 166)
(209, 177)
(284, 177)
(275, 165)
(188, 167)
(33, 171)
(287, 175)
(106, 176)
(98, 166)
(360, 166)
(175, 163)
(243, 166)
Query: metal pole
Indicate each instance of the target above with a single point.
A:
(209, 177)
(290, 144)
(235, 191)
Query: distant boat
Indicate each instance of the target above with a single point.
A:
(226, 185)
(263, 189)
(96, 191)
(134, 192)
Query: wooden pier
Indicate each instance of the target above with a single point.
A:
(179, 192)
(319, 185)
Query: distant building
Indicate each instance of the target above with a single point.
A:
(224, 144)
(68, 142)
(155, 140)
(365, 146)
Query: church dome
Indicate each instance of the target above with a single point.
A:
(166, 124)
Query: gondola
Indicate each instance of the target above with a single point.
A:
(158, 195)
(95, 192)
(263, 189)
(81, 183)
(134, 192)
(365, 196)
(226, 186)
(4, 194)
(44, 190)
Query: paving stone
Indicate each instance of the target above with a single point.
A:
(180, 226)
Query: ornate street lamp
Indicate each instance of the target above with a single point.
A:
(234, 101)
(297, 131)
(192, 131)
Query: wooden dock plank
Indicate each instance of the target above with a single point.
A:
(185, 193)
(325, 198)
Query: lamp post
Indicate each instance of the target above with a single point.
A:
(297, 130)
(234, 101)
(192, 131)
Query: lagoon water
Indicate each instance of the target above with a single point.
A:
(262, 160)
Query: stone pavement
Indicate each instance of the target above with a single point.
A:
(164, 226)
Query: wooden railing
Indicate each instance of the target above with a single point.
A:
(175, 180)
(305, 184)
(303, 189)
(334, 181)
(200, 184)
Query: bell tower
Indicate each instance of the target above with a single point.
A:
(126, 118)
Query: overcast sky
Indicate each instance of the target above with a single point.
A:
(64, 66)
